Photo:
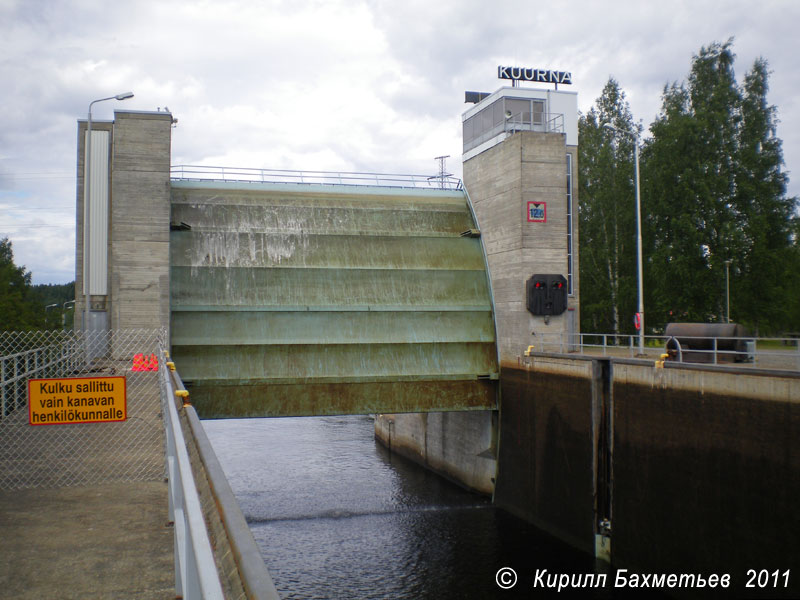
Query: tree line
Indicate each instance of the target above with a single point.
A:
(24, 306)
(715, 211)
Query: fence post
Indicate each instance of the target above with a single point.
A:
(2, 387)
(16, 381)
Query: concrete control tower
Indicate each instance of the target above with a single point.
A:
(520, 165)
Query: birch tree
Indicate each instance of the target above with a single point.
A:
(607, 215)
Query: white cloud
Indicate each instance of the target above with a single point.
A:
(365, 85)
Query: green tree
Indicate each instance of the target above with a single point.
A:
(607, 214)
(19, 309)
(715, 193)
(765, 263)
(689, 175)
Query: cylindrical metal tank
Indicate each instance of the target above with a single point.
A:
(703, 338)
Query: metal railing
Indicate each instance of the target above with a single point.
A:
(39, 356)
(545, 122)
(541, 122)
(253, 175)
(196, 574)
(773, 353)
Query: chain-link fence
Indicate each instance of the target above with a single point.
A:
(60, 455)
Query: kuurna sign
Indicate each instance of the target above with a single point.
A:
(537, 75)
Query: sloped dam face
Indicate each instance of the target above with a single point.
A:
(292, 299)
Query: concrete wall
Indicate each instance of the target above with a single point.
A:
(140, 190)
(458, 445)
(138, 240)
(528, 166)
(546, 449)
(705, 472)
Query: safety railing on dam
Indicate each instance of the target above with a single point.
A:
(770, 353)
(195, 572)
(193, 495)
(244, 174)
(115, 419)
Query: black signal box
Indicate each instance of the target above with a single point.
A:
(546, 294)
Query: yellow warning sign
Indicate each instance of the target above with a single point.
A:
(77, 400)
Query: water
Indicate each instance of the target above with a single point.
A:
(337, 516)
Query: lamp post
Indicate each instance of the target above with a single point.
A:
(87, 183)
(728, 290)
(46, 308)
(635, 137)
(64, 314)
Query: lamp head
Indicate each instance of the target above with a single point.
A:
(124, 96)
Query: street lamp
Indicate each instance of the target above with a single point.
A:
(87, 183)
(46, 308)
(64, 314)
(635, 137)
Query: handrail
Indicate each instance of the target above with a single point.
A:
(42, 358)
(255, 578)
(196, 573)
(541, 122)
(246, 174)
(607, 341)
(547, 122)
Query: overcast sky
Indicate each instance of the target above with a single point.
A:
(345, 85)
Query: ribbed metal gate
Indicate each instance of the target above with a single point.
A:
(308, 300)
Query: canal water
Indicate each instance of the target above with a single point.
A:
(337, 516)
